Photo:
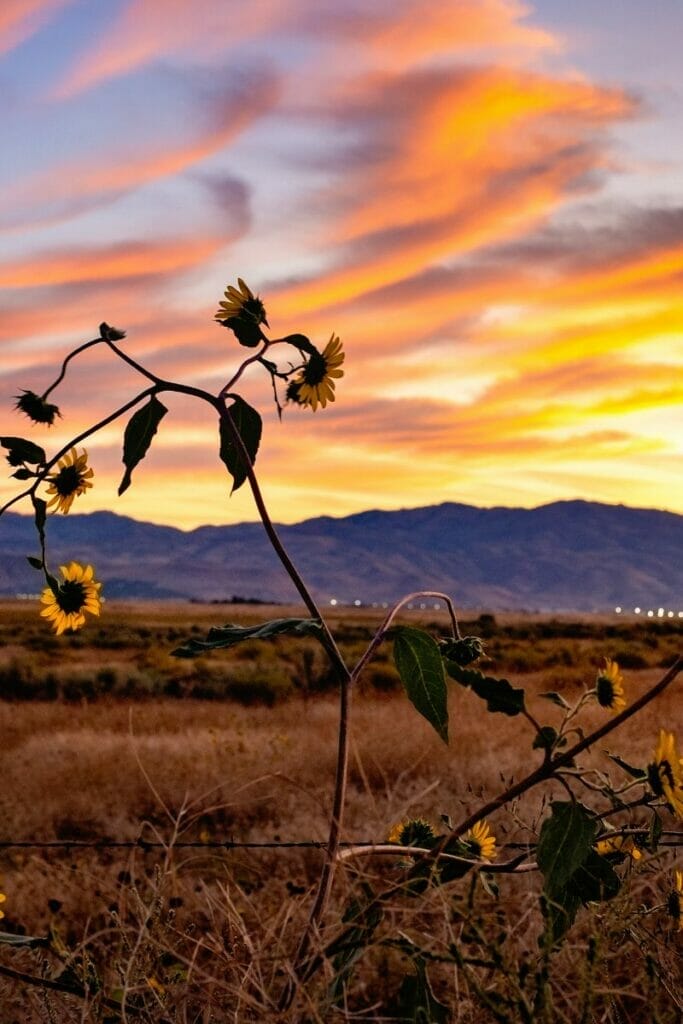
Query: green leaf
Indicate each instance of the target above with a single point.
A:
(416, 1000)
(596, 880)
(37, 563)
(545, 739)
(559, 912)
(565, 842)
(248, 424)
(363, 917)
(26, 451)
(499, 694)
(8, 939)
(635, 773)
(420, 667)
(654, 833)
(39, 516)
(556, 698)
(220, 637)
(138, 435)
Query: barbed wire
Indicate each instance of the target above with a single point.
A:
(669, 838)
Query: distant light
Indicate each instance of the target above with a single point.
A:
(650, 613)
(374, 604)
(411, 605)
(637, 611)
(669, 615)
(680, 615)
(437, 606)
(618, 609)
(357, 603)
(384, 604)
(660, 613)
(333, 600)
(423, 606)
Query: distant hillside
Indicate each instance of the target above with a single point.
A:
(568, 555)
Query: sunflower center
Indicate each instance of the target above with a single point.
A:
(253, 308)
(605, 691)
(315, 370)
(71, 596)
(67, 481)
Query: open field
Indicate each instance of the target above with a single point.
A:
(107, 749)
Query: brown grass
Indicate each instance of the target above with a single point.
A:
(216, 929)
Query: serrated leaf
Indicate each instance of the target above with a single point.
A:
(635, 773)
(8, 939)
(221, 637)
(420, 667)
(138, 435)
(25, 450)
(248, 424)
(556, 698)
(499, 694)
(545, 739)
(565, 841)
(35, 562)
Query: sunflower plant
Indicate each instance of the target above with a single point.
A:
(584, 844)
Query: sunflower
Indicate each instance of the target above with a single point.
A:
(411, 832)
(664, 773)
(2, 900)
(674, 903)
(315, 385)
(78, 593)
(618, 844)
(479, 842)
(241, 302)
(36, 408)
(608, 687)
(72, 478)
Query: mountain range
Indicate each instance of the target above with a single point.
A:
(568, 555)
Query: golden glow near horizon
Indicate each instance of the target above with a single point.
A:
(457, 190)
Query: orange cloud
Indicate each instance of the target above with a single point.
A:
(147, 30)
(20, 19)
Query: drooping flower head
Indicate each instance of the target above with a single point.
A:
(411, 832)
(71, 479)
(76, 594)
(241, 302)
(36, 408)
(315, 384)
(674, 903)
(665, 774)
(480, 842)
(609, 688)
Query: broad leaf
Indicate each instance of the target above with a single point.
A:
(248, 425)
(596, 880)
(499, 694)
(420, 667)
(22, 450)
(556, 698)
(37, 563)
(220, 637)
(138, 435)
(565, 841)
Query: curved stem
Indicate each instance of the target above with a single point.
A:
(71, 355)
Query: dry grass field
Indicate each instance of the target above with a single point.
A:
(104, 736)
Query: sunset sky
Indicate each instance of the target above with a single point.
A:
(483, 198)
